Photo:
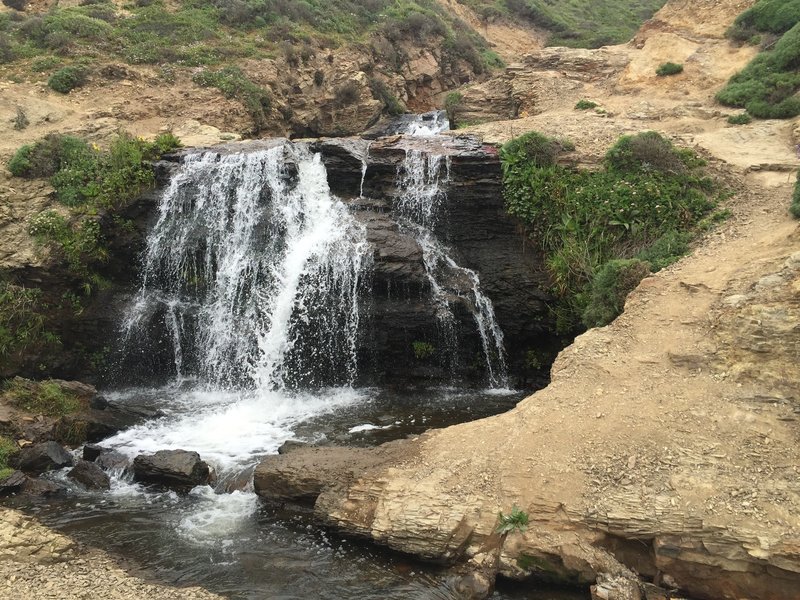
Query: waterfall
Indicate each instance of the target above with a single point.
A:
(428, 124)
(256, 272)
(422, 180)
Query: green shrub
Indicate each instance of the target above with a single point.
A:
(423, 350)
(794, 207)
(8, 448)
(516, 521)
(647, 151)
(767, 87)
(346, 94)
(44, 63)
(21, 120)
(47, 156)
(67, 79)
(766, 16)
(380, 91)
(234, 84)
(639, 206)
(452, 103)
(666, 250)
(585, 105)
(669, 68)
(740, 119)
(611, 285)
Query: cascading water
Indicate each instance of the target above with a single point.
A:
(421, 180)
(428, 124)
(257, 278)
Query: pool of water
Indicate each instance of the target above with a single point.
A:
(233, 544)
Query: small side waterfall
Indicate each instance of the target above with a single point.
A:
(422, 181)
(255, 271)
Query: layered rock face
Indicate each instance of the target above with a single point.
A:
(479, 235)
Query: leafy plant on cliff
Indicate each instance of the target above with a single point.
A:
(517, 520)
(638, 206)
(422, 350)
(22, 320)
(92, 182)
(794, 207)
(67, 79)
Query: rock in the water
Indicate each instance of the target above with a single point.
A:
(179, 469)
(12, 484)
(34, 486)
(90, 476)
(111, 460)
(43, 457)
(91, 452)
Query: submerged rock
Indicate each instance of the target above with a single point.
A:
(90, 476)
(92, 451)
(111, 460)
(43, 457)
(177, 469)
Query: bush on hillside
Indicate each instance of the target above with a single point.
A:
(647, 151)
(765, 16)
(740, 119)
(767, 87)
(585, 105)
(235, 84)
(610, 287)
(794, 207)
(67, 79)
(669, 68)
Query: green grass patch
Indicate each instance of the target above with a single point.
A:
(585, 105)
(42, 398)
(422, 350)
(642, 205)
(7, 449)
(794, 207)
(669, 68)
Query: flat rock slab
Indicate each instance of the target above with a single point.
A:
(178, 469)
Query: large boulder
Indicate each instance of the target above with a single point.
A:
(46, 456)
(90, 476)
(177, 469)
(12, 484)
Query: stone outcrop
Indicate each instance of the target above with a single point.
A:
(89, 475)
(43, 457)
(177, 469)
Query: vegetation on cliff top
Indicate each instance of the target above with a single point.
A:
(638, 208)
(574, 23)
(768, 87)
(794, 207)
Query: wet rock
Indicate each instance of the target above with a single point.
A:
(177, 469)
(43, 457)
(111, 460)
(12, 484)
(35, 486)
(90, 476)
(92, 451)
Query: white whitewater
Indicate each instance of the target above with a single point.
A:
(253, 271)
(428, 124)
(258, 278)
